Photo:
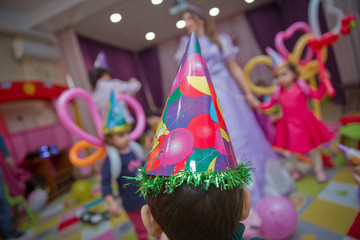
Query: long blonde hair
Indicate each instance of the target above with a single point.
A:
(210, 29)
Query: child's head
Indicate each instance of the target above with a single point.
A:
(116, 129)
(119, 140)
(286, 75)
(152, 117)
(98, 73)
(193, 184)
(196, 213)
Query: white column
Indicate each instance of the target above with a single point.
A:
(74, 63)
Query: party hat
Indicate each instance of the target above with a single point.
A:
(100, 61)
(350, 153)
(115, 120)
(192, 143)
(277, 60)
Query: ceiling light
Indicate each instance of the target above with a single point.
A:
(249, 1)
(150, 36)
(156, 2)
(214, 11)
(180, 24)
(115, 17)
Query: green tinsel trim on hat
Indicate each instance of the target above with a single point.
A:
(225, 180)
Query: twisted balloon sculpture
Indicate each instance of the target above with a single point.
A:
(343, 25)
(87, 139)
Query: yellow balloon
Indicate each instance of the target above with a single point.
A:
(262, 59)
(306, 72)
(200, 84)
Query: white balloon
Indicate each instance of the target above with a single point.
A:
(330, 8)
(37, 199)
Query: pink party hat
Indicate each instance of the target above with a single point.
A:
(352, 154)
(100, 61)
(277, 60)
(192, 143)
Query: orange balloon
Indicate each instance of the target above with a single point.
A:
(82, 162)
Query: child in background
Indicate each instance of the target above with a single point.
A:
(7, 229)
(123, 159)
(191, 181)
(298, 130)
(152, 119)
(103, 84)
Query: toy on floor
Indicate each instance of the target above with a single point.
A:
(350, 135)
(94, 218)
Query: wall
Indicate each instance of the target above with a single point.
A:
(9, 67)
(27, 114)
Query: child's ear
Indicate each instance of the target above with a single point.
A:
(149, 222)
(246, 205)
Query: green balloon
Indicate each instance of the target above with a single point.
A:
(81, 190)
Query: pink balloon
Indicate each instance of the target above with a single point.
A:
(288, 33)
(70, 125)
(177, 146)
(139, 112)
(278, 216)
(67, 121)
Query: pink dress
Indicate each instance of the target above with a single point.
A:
(298, 130)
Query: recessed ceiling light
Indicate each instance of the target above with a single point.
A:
(249, 1)
(156, 2)
(115, 17)
(214, 11)
(180, 24)
(150, 36)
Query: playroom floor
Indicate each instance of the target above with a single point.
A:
(328, 211)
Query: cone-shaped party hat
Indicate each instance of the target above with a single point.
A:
(350, 153)
(100, 61)
(192, 143)
(277, 60)
(115, 120)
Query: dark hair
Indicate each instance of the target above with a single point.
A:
(210, 29)
(152, 112)
(292, 67)
(196, 213)
(96, 74)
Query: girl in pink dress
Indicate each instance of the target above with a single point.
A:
(298, 130)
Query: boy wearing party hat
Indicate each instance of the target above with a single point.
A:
(124, 157)
(191, 181)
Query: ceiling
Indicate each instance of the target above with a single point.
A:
(90, 18)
